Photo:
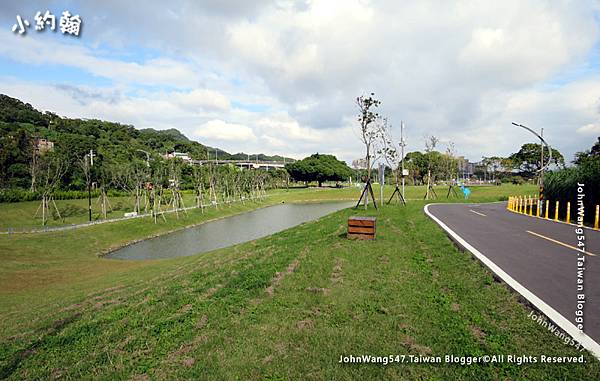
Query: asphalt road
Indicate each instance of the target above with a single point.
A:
(533, 252)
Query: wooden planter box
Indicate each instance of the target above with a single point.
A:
(361, 227)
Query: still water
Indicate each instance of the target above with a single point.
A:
(227, 231)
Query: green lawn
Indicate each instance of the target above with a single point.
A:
(22, 215)
(282, 307)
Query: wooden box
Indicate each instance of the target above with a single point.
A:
(361, 227)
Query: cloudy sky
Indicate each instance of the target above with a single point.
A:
(281, 77)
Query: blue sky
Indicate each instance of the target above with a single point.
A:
(281, 77)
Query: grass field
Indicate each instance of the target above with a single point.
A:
(282, 307)
(22, 215)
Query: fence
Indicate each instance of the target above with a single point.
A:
(533, 206)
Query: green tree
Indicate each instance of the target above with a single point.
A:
(319, 168)
(528, 159)
(591, 154)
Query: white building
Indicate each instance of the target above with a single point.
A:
(183, 156)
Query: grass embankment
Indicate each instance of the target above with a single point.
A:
(22, 215)
(282, 307)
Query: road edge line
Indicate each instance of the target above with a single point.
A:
(586, 341)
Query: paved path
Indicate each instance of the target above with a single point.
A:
(539, 255)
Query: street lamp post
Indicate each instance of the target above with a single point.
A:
(402, 145)
(89, 163)
(542, 166)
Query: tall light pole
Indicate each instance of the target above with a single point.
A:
(542, 166)
(90, 157)
(147, 157)
(402, 144)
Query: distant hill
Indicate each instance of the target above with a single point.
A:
(170, 134)
(13, 110)
(21, 124)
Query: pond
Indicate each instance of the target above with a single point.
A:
(227, 231)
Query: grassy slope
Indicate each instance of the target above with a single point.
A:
(20, 215)
(228, 314)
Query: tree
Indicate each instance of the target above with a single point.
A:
(591, 154)
(370, 131)
(562, 185)
(319, 168)
(416, 162)
(528, 159)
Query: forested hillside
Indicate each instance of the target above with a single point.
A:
(22, 127)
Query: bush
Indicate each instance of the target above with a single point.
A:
(562, 186)
(517, 180)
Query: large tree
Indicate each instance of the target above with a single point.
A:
(591, 154)
(319, 168)
(528, 159)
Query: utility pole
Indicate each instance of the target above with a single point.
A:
(381, 181)
(91, 164)
(402, 144)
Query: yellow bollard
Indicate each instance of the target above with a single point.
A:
(596, 219)
(531, 206)
(537, 211)
(547, 207)
(556, 212)
(521, 203)
(568, 212)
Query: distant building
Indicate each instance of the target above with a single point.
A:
(183, 156)
(465, 168)
(44, 145)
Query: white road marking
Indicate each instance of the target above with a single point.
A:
(570, 328)
(481, 214)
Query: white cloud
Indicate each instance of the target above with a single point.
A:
(590, 129)
(462, 71)
(202, 98)
(221, 130)
(38, 51)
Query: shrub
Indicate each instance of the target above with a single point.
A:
(562, 186)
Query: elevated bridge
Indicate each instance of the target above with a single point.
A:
(267, 165)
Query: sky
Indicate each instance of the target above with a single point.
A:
(282, 77)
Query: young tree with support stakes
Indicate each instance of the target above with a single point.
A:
(450, 167)
(432, 162)
(51, 170)
(392, 157)
(370, 130)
